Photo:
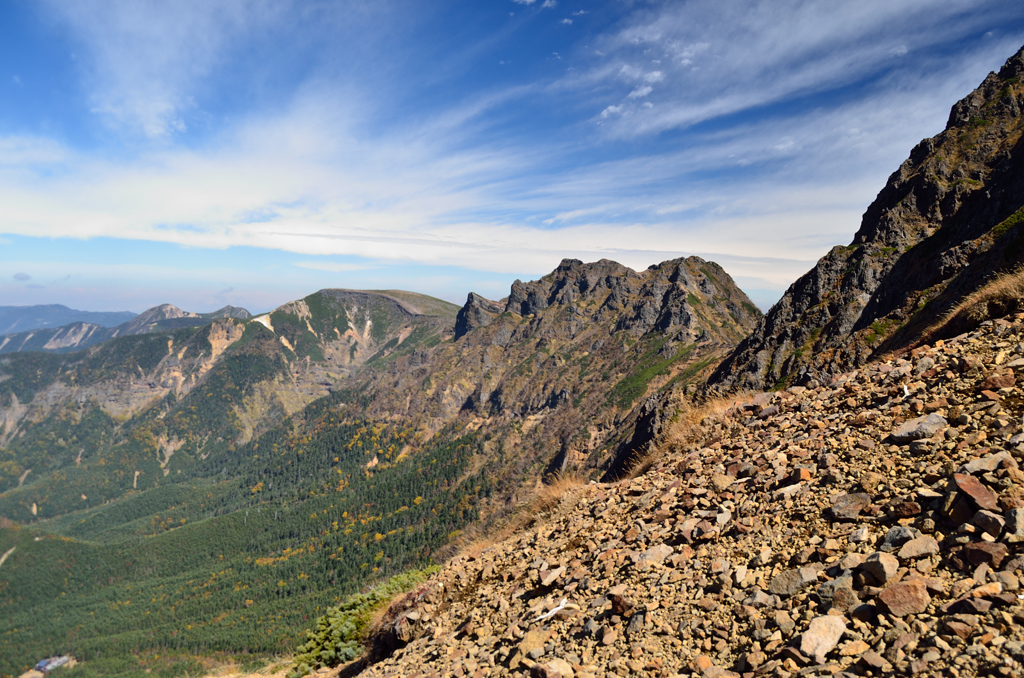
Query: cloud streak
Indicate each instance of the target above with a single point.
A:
(718, 60)
(147, 58)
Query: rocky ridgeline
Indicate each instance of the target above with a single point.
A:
(946, 221)
(556, 371)
(870, 525)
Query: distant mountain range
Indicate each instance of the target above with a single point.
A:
(24, 318)
(81, 333)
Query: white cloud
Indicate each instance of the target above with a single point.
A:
(305, 181)
(146, 58)
(21, 153)
(567, 22)
(641, 92)
(722, 59)
(548, 4)
(332, 267)
(580, 12)
(524, 2)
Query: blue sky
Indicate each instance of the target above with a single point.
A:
(205, 153)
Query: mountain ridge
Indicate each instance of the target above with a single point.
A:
(946, 220)
(80, 334)
(25, 318)
(866, 516)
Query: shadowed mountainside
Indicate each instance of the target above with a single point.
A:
(947, 220)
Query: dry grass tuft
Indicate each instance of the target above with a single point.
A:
(687, 428)
(1002, 295)
(550, 493)
(477, 538)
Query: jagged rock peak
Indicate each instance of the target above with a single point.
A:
(571, 280)
(477, 312)
(946, 221)
(688, 292)
(163, 312)
(231, 312)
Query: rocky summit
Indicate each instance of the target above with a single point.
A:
(562, 367)
(949, 218)
(870, 525)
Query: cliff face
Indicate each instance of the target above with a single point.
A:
(947, 220)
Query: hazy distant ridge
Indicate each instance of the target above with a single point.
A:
(25, 318)
(77, 335)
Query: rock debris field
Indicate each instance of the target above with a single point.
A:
(867, 526)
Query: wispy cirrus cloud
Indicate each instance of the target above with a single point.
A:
(145, 60)
(333, 267)
(716, 60)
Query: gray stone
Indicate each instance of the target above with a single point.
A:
(920, 547)
(758, 599)
(990, 522)
(922, 427)
(821, 637)
(898, 536)
(989, 463)
(654, 555)
(882, 566)
(1015, 522)
(789, 582)
(838, 593)
(860, 535)
(636, 625)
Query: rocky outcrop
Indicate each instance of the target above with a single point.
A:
(868, 526)
(478, 312)
(569, 282)
(946, 221)
(229, 312)
(561, 368)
